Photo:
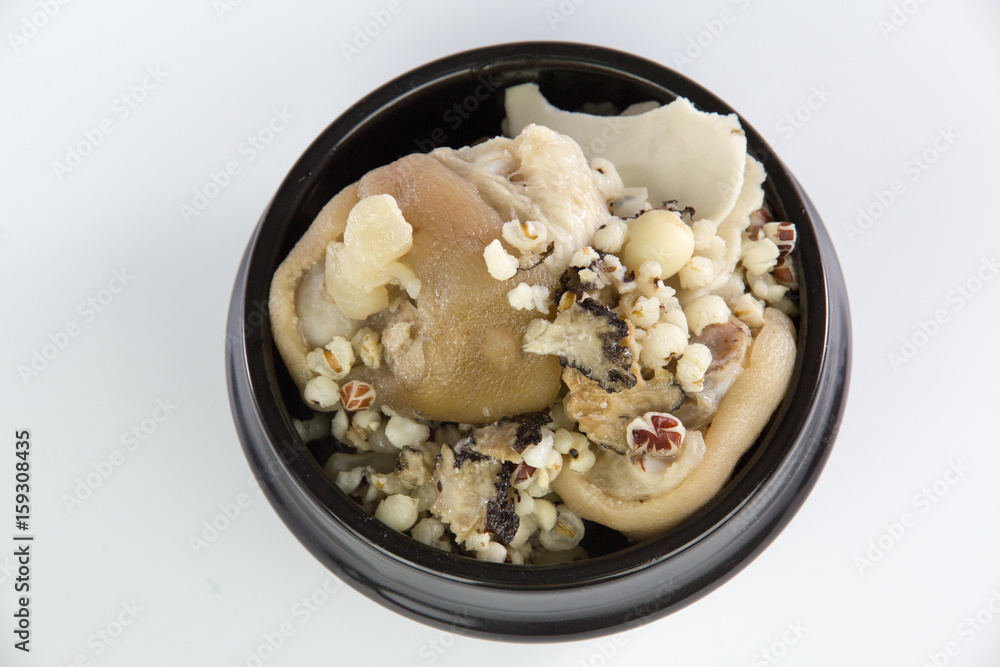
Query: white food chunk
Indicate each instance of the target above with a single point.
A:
(750, 310)
(751, 196)
(611, 236)
(493, 552)
(698, 272)
(607, 178)
(527, 236)
(584, 257)
(367, 347)
(759, 257)
(691, 367)
(675, 150)
(540, 176)
(312, 429)
(349, 480)
(663, 341)
(545, 514)
(339, 425)
(705, 310)
(632, 202)
(565, 534)
(319, 318)
(537, 455)
(358, 269)
(645, 312)
(334, 360)
(529, 297)
(659, 236)
(584, 460)
(525, 529)
(501, 264)
(322, 393)
(398, 511)
(428, 531)
(404, 432)
(524, 505)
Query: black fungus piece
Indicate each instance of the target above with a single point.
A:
(591, 338)
(501, 520)
(570, 282)
(464, 451)
(529, 428)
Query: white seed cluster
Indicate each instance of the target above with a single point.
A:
(501, 264)
(367, 347)
(705, 310)
(322, 393)
(530, 297)
(691, 367)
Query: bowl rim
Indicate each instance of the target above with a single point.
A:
(782, 466)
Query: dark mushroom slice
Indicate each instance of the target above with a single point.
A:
(589, 337)
(604, 417)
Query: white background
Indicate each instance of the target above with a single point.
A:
(884, 82)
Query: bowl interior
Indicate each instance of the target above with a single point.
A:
(455, 102)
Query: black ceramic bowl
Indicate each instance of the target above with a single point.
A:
(455, 101)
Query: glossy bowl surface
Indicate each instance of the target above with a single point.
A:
(455, 101)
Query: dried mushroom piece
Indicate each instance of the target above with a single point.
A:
(415, 467)
(605, 417)
(473, 496)
(507, 438)
(741, 417)
(589, 337)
